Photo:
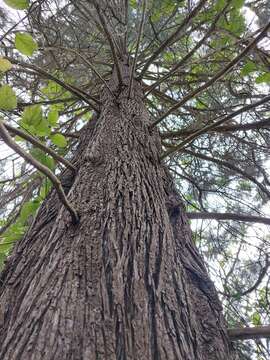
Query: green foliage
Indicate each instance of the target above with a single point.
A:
(45, 188)
(244, 185)
(256, 318)
(248, 68)
(16, 230)
(25, 44)
(28, 208)
(263, 78)
(59, 140)
(33, 120)
(8, 99)
(162, 8)
(5, 65)
(32, 115)
(43, 158)
(53, 116)
(55, 91)
(133, 3)
(17, 4)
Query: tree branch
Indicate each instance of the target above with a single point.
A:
(42, 168)
(39, 144)
(232, 167)
(214, 126)
(86, 61)
(228, 216)
(134, 63)
(188, 55)
(218, 76)
(111, 42)
(171, 39)
(71, 88)
(256, 332)
(262, 124)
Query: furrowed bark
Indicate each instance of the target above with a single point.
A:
(127, 281)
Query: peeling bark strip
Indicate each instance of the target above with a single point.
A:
(127, 282)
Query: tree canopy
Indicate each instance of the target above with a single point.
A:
(205, 68)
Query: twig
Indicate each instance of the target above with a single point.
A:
(262, 124)
(111, 42)
(214, 125)
(32, 8)
(42, 168)
(86, 61)
(40, 145)
(71, 88)
(134, 63)
(218, 76)
(188, 55)
(231, 167)
(172, 38)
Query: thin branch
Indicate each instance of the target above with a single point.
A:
(71, 88)
(134, 63)
(40, 145)
(231, 167)
(214, 125)
(172, 38)
(31, 9)
(188, 55)
(86, 61)
(257, 332)
(218, 76)
(42, 168)
(111, 42)
(228, 216)
(262, 124)
(45, 102)
(261, 276)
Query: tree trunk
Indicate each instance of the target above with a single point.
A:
(127, 281)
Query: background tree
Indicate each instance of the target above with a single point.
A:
(85, 86)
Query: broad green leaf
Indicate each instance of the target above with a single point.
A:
(17, 4)
(33, 120)
(263, 78)
(42, 128)
(25, 44)
(248, 68)
(5, 65)
(52, 90)
(59, 140)
(43, 158)
(53, 117)
(8, 100)
(32, 115)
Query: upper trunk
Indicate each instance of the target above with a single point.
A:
(127, 281)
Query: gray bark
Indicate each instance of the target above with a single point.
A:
(125, 283)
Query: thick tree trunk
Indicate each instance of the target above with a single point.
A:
(127, 281)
